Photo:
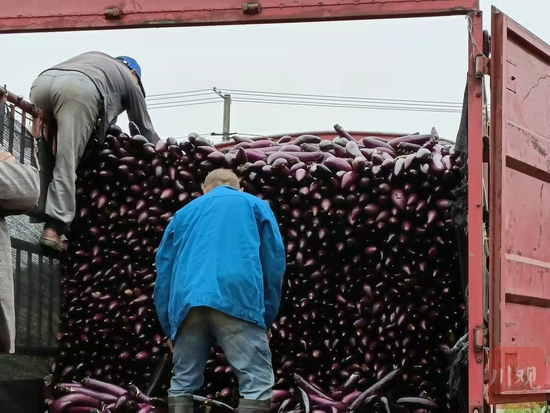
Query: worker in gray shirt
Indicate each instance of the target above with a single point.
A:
(83, 94)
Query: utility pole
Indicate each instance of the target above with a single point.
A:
(226, 114)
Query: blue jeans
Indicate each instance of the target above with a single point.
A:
(244, 344)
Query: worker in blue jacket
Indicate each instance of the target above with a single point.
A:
(220, 267)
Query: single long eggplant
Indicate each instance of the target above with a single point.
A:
(207, 402)
(417, 403)
(306, 139)
(343, 133)
(123, 400)
(337, 164)
(61, 404)
(386, 404)
(305, 400)
(375, 388)
(353, 149)
(103, 387)
(374, 143)
(309, 388)
(102, 396)
(415, 139)
(306, 157)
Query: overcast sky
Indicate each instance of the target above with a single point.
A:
(406, 59)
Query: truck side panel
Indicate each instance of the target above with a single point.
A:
(520, 214)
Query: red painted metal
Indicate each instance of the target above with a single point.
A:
(25, 112)
(520, 222)
(60, 15)
(475, 212)
(20, 102)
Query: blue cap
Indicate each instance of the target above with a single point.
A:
(133, 65)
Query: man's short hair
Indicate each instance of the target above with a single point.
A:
(221, 177)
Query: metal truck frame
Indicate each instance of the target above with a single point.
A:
(514, 158)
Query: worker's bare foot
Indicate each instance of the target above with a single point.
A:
(51, 240)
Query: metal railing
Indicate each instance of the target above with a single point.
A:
(37, 298)
(24, 118)
(36, 272)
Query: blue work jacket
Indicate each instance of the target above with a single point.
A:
(224, 251)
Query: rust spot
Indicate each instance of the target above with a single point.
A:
(113, 13)
(537, 147)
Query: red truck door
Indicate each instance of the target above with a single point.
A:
(519, 228)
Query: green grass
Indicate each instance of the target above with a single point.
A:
(527, 408)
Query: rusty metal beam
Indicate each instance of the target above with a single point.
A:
(476, 263)
(69, 15)
(21, 103)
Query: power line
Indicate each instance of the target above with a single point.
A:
(182, 97)
(350, 106)
(310, 104)
(179, 93)
(164, 98)
(347, 98)
(214, 99)
(326, 103)
(190, 103)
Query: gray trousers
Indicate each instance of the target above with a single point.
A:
(72, 100)
(244, 344)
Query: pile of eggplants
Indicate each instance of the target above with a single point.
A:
(95, 396)
(372, 288)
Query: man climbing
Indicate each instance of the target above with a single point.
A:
(79, 96)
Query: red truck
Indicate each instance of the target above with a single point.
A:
(511, 158)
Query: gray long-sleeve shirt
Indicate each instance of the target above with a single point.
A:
(118, 88)
(19, 191)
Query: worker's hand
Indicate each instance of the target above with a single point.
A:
(6, 156)
(170, 345)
